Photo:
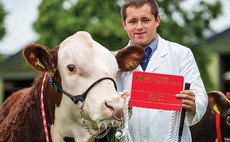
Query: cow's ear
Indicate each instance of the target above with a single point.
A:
(130, 57)
(216, 100)
(38, 57)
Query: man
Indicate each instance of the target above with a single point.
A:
(140, 19)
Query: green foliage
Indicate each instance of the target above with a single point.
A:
(50, 12)
(187, 27)
(1, 58)
(2, 18)
(203, 61)
(101, 18)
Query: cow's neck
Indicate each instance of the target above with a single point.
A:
(27, 112)
(64, 123)
(52, 98)
(69, 123)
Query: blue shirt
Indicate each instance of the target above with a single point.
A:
(152, 45)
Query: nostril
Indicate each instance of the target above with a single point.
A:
(117, 112)
(228, 120)
(109, 106)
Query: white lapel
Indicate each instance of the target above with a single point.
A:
(157, 58)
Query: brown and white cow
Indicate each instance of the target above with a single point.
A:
(215, 124)
(77, 82)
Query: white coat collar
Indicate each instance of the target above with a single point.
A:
(157, 57)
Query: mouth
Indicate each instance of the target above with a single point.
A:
(104, 124)
(140, 33)
(119, 118)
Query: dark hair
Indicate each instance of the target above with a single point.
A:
(137, 4)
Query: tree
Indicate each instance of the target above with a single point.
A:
(188, 27)
(2, 18)
(100, 18)
(60, 18)
(2, 26)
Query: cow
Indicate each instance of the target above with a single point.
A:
(215, 124)
(74, 97)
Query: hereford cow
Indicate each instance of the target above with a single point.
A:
(215, 125)
(74, 98)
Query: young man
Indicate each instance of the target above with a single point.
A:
(140, 19)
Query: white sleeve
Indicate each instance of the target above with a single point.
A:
(189, 69)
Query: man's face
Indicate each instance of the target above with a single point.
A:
(141, 25)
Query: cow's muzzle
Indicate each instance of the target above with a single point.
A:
(117, 108)
(228, 120)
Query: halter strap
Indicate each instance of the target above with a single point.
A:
(81, 97)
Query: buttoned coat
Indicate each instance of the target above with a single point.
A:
(151, 125)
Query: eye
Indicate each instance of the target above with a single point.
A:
(132, 21)
(71, 68)
(145, 20)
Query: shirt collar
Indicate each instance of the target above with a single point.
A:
(152, 45)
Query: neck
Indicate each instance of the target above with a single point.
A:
(70, 125)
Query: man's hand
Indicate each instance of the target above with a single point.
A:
(188, 100)
(124, 95)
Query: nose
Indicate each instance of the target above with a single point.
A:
(228, 120)
(117, 108)
(139, 25)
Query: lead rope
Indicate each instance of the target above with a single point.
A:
(173, 127)
(217, 116)
(124, 128)
(43, 109)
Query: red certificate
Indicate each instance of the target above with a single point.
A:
(157, 91)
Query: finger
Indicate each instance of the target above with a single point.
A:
(188, 104)
(183, 96)
(186, 94)
(189, 92)
(187, 107)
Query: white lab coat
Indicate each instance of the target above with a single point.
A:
(151, 125)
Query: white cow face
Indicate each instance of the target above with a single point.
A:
(81, 62)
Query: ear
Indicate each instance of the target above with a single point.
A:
(39, 58)
(216, 100)
(123, 23)
(130, 57)
(157, 21)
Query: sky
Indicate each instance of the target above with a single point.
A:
(22, 14)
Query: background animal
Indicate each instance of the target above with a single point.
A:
(74, 98)
(218, 110)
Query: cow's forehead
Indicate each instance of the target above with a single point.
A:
(82, 50)
(81, 38)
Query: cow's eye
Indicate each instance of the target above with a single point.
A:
(71, 68)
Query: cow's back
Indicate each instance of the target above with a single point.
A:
(12, 102)
(17, 115)
(204, 131)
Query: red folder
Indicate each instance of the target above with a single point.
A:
(157, 91)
